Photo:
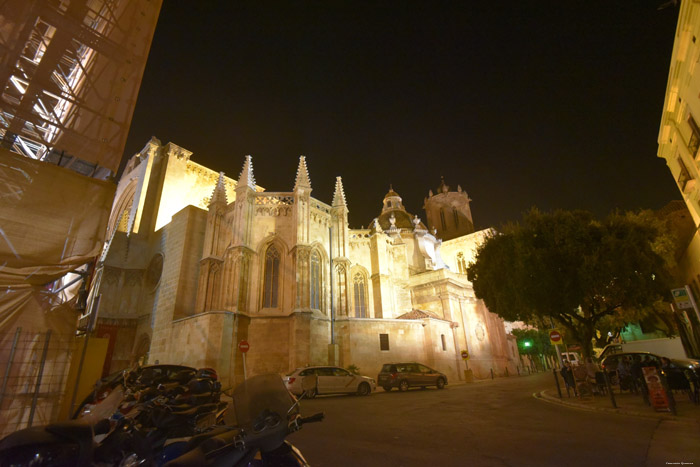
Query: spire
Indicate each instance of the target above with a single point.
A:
(247, 178)
(219, 194)
(443, 188)
(302, 180)
(339, 195)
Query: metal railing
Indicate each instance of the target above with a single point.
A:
(34, 368)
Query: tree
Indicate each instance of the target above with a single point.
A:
(570, 267)
(533, 342)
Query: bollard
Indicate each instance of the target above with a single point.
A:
(609, 388)
(507, 372)
(556, 380)
(669, 393)
(491, 373)
(518, 371)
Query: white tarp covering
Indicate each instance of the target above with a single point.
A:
(52, 221)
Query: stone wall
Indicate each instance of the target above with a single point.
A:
(182, 241)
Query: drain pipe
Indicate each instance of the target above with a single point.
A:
(330, 280)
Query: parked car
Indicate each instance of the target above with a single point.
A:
(331, 380)
(572, 357)
(681, 374)
(410, 374)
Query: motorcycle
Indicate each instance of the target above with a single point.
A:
(134, 413)
(266, 413)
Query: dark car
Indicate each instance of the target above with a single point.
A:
(411, 374)
(681, 374)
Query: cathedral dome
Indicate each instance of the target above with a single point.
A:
(393, 207)
(391, 194)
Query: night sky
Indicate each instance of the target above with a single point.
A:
(553, 104)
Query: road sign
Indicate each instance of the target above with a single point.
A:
(243, 346)
(681, 299)
(555, 337)
(465, 355)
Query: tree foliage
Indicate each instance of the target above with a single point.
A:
(571, 267)
(539, 340)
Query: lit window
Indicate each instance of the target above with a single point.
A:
(315, 292)
(271, 281)
(683, 174)
(360, 294)
(461, 263)
(694, 141)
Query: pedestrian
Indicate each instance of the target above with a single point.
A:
(638, 375)
(567, 375)
(624, 376)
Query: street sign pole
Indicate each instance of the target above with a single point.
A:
(243, 346)
(561, 363)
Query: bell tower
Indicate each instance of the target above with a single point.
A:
(448, 212)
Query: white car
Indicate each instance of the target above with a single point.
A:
(331, 380)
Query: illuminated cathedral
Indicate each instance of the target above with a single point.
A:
(199, 262)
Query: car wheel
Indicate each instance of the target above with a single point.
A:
(440, 383)
(387, 388)
(403, 385)
(364, 390)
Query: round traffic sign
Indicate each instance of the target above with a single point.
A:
(555, 336)
(465, 354)
(243, 346)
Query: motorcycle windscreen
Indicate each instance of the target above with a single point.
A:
(262, 402)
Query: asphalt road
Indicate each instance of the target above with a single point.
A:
(491, 423)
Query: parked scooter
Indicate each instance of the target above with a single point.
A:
(127, 416)
(266, 413)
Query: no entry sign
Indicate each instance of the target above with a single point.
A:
(555, 337)
(243, 346)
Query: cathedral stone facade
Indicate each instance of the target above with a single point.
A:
(199, 262)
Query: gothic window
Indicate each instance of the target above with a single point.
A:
(683, 175)
(456, 216)
(272, 277)
(694, 142)
(461, 263)
(442, 219)
(360, 294)
(315, 292)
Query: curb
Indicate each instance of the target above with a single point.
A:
(577, 405)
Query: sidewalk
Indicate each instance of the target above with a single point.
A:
(676, 439)
(627, 404)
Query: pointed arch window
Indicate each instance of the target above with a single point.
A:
(461, 263)
(360, 295)
(272, 277)
(315, 289)
(455, 214)
(442, 219)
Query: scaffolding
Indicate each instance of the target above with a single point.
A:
(70, 73)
